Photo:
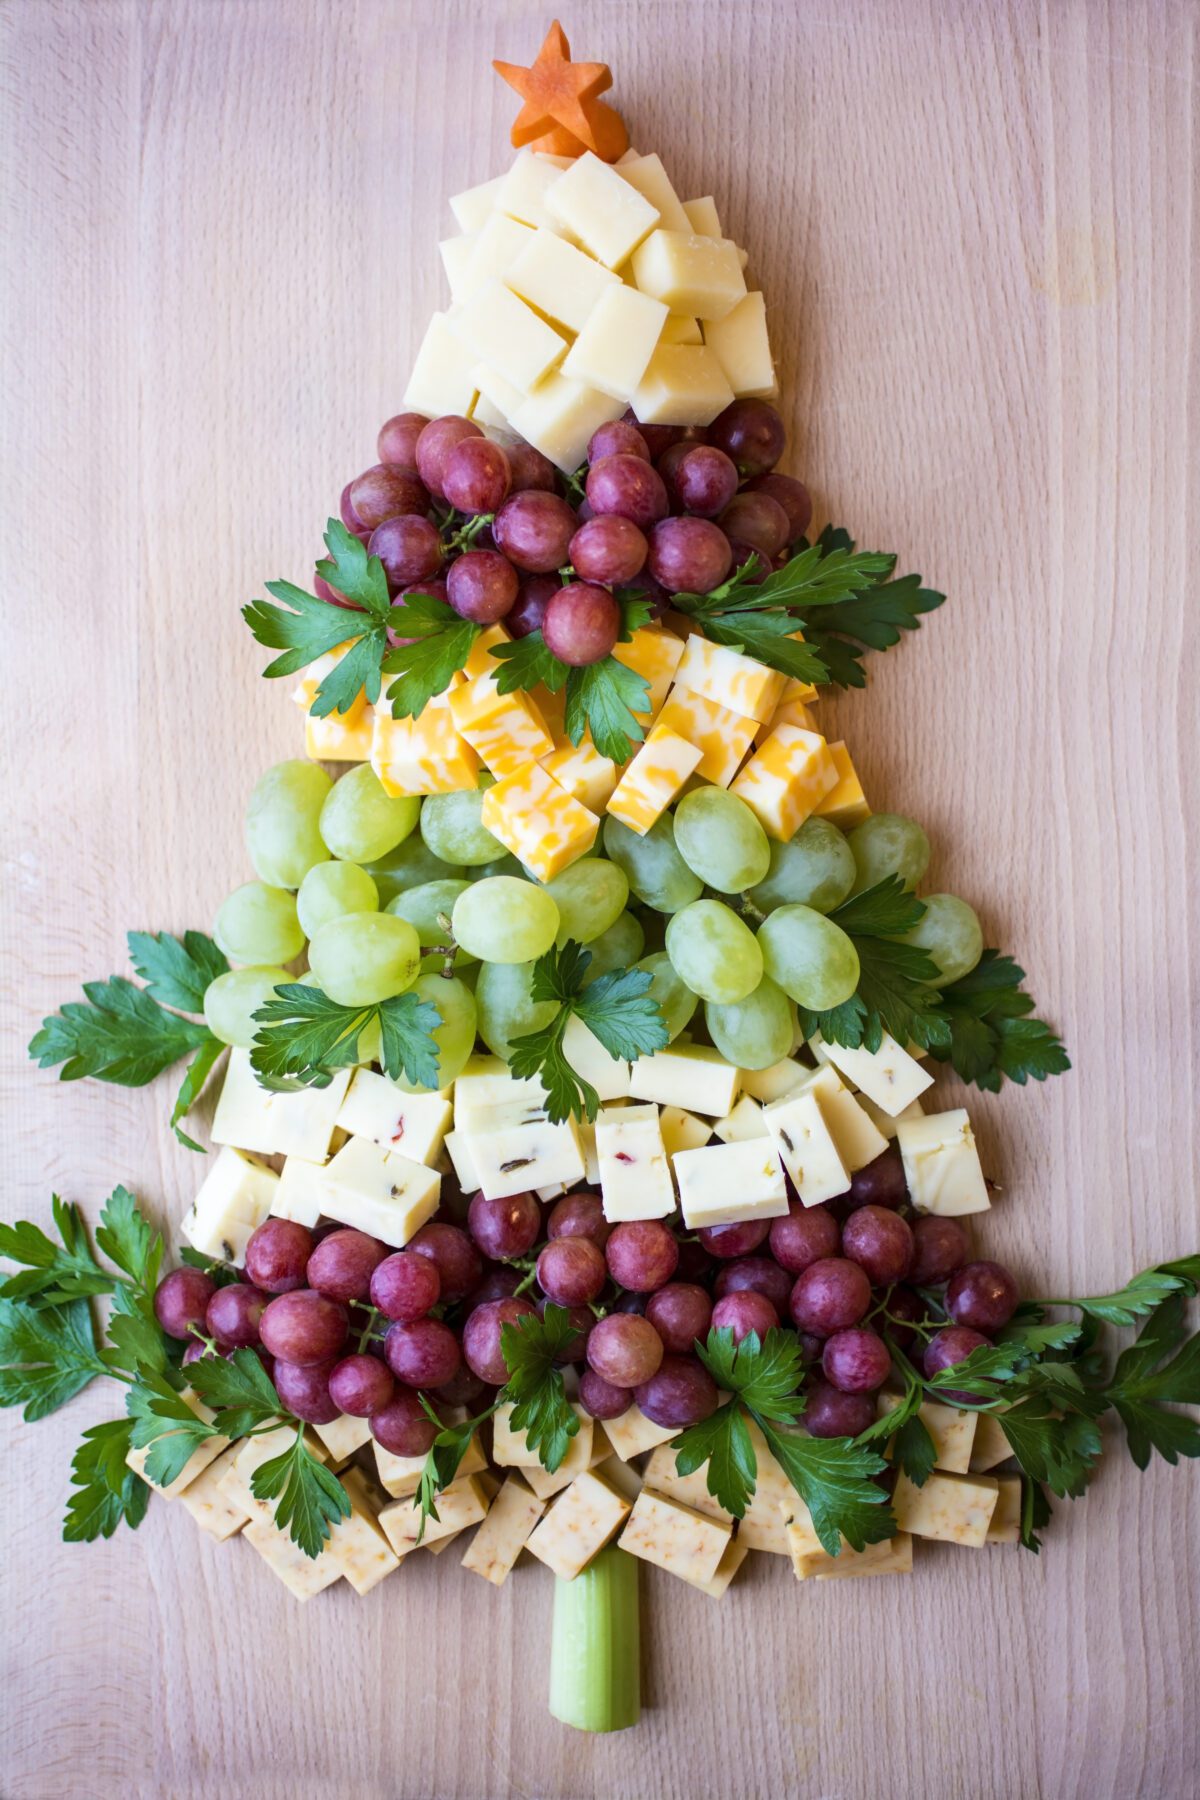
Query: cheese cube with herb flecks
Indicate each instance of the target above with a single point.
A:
(377, 1191)
(357, 1545)
(856, 1136)
(785, 779)
(694, 1076)
(721, 735)
(941, 1164)
(215, 1512)
(504, 1533)
(251, 1117)
(890, 1075)
(206, 1452)
(653, 779)
(728, 1184)
(729, 677)
(232, 1202)
(541, 824)
(807, 1147)
(302, 1575)
(951, 1428)
(463, 1503)
(955, 1509)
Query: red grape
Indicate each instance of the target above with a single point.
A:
(983, 1296)
(582, 1318)
(476, 476)
(385, 492)
(466, 1389)
(304, 1327)
(603, 1399)
(397, 441)
(829, 1413)
(756, 519)
(757, 1275)
(689, 555)
(304, 1390)
(579, 1215)
(625, 1349)
(627, 485)
(454, 1255)
(350, 518)
(505, 1228)
(742, 554)
(181, 1301)
(695, 1264)
(629, 1303)
(434, 590)
(728, 1241)
(609, 549)
(421, 1354)
(704, 480)
(743, 1312)
(497, 1284)
(680, 1392)
(792, 495)
(880, 1242)
(657, 438)
(534, 530)
(642, 1255)
(277, 1255)
(481, 585)
(946, 1348)
(618, 438)
(681, 1313)
(902, 1304)
(582, 623)
(531, 470)
(939, 1247)
(233, 1315)
(751, 433)
(402, 1426)
(405, 1286)
(434, 446)
(830, 1296)
(361, 1385)
(856, 1361)
(529, 609)
(571, 1271)
(880, 1183)
(342, 1264)
(409, 549)
(481, 1336)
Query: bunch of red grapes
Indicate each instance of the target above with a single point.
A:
(666, 510)
(346, 1325)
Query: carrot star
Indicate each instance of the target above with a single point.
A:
(561, 101)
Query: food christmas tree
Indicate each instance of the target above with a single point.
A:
(587, 1187)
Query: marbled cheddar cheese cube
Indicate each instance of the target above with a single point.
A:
(442, 381)
(608, 216)
(990, 1446)
(356, 1544)
(683, 384)
(740, 682)
(952, 1429)
(474, 206)
(551, 708)
(505, 729)
(941, 1164)
(560, 417)
(581, 771)
(463, 1503)
(682, 1130)
(786, 779)
(560, 280)
(332, 740)
(480, 660)
(721, 735)
(694, 1076)
(415, 1125)
(762, 1526)
(377, 1191)
(889, 1075)
(302, 1575)
(204, 1453)
(342, 1437)
(675, 1537)
(788, 712)
(215, 1512)
(425, 755)
(618, 340)
(541, 824)
(1005, 1524)
(232, 1202)
(504, 1533)
(741, 345)
(655, 654)
(400, 1476)
(579, 1524)
(891, 1557)
(588, 1057)
(635, 1175)
(805, 692)
(955, 1509)
(250, 1117)
(697, 275)
(742, 1124)
(314, 673)
(856, 1136)
(773, 1082)
(726, 1184)
(299, 1193)
(663, 1477)
(844, 805)
(807, 1148)
(653, 779)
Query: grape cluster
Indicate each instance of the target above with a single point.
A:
(487, 525)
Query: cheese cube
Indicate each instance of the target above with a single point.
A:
(425, 755)
(844, 805)
(609, 217)
(686, 1075)
(955, 1509)
(774, 1082)
(522, 192)
(314, 673)
(588, 1057)
(480, 660)
(463, 1503)
(740, 344)
(673, 1536)
(617, 342)
(990, 1446)
(510, 1449)
(342, 1437)
(579, 1524)
(560, 417)
(332, 740)
(552, 710)
(381, 1110)
(458, 1148)
(542, 826)
(804, 1142)
(303, 1575)
(441, 381)
(941, 1164)
(377, 1191)
(682, 1130)
(581, 771)
(473, 207)
(762, 1526)
(785, 779)
(653, 779)
(486, 1081)
(506, 333)
(1005, 1524)
(632, 1432)
(516, 1147)
(212, 1510)
(455, 253)
(884, 1122)
(496, 401)
(684, 384)
(232, 1202)
(299, 1191)
(205, 1453)
(691, 274)
(505, 729)
(724, 1184)
(250, 1454)
(721, 735)
(734, 1556)
(788, 712)
(560, 280)
(742, 1124)
(952, 1429)
(497, 246)
(739, 682)
(635, 1175)
(856, 1137)
(356, 1544)
(504, 1533)
(702, 217)
(680, 329)
(889, 1075)
(654, 654)
(400, 1476)
(647, 175)
(251, 1117)
(891, 1557)
(663, 1477)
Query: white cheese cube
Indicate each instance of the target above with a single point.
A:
(251, 1117)
(692, 1490)
(742, 1124)
(233, 1200)
(214, 1511)
(497, 247)
(522, 192)
(458, 1149)
(857, 1138)
(684, 384)
(496, 401)
(889, 1075)
(647, 175)
(609, 217)
(774, 1082)
(579, 1524)
(441, 380)
(504, 1533)
(725, 1184)
(954, 1509)
(741, 346)
(202, 1456)
(679, 329)
(673, 1536)
(342, 1437)
(299, 1193)
(682, 1130)
(463, 1503)
(632, 1433)
(693, 1076)
(508, 335)
(941, 1164)
(952, 1429)
(561, 416)
(884, 1122)
(617, 341)
(381, 1110)
(474, 206)
(1005, 1524)
(302, 1575)
(622, 1476)
(456, 254)
(516, 1147)
(588, 1057)
(697, 275)
(559, 280)
(376, 1191)
(486, 1081)
(635, 1175)
(806, 1145)
(357, 1544)
(990, 1446)
(702, 217)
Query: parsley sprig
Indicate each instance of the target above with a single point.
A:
(442, 642)
(616, 1007)
(991, 1035)
(603, 699)
(306, 1038)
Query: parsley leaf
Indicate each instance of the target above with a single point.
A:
(54, 1274)
(442, 1460)
(535, 1384)
(306, 1037)
(603, 699)
(896, 981)
(914, 1451)
(164, 1424)
(617, 1009)
(1140, 1295)
(312, 627)
(47, 1356)
(128, 1239)
(121, 1035)
(106, 1491)
(308, 1497)
(239, 1391)
(1144, 1385)
(176, 970)
(765, 1375)
(1057, 1450)
(723, 1443)
(525, 663)
(191, 1087)
(443, 641)
(772, 637)
(991, 1035)
(834, 1478)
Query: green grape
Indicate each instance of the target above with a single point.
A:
(504, 865)
(590, 897)
(617, 948)
(331, 889)
(714, 951)
(675, 999)
(455, 1036)
(950, 933)
(657, 873)
(888, 844)
(810, 957)
(815, 869)
(503, 920)
(283, 822)
(360, 821)
(421, 906)
(258, 924)
(363, 958)
(754, 1032)
(451, 828)
(409, 865)
(231, 1001)
(720, 840)
(504, 1008)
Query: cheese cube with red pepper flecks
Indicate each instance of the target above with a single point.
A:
(678, 1538)
(653, 779)
(635, 1175)
(786, 779)
(655, 654)
(506, 729)
(729, 677)
(379, 1109)
(721, 735)
(579, 1524)
(844, 805)
(538, 821)
(422, 756)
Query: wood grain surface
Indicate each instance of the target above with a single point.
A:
(976, 226)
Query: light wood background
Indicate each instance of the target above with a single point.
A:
(976, 227)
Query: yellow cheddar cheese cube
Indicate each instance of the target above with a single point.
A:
(505, 1532)
(1005, 1525)
(691, 274)
(786, 779)
(302, 1575)
(654, 654)
(332, 740)
(675, 1537)
(579, 1524)
(608, 216)
(952, 1429)
(721, 735)
(425, 755)
(314, 673)
(581, 771)
(463, 1503)
(506, 730)
(845, 805)
(730, 678)
(216, 1512)
(955, 1509)
(653, 779)
(541, 824)
(741, 345)
(684, 384)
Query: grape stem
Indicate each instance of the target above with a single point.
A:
(749, 910)
(370, 1330)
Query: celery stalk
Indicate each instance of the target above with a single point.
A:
(595, 1647)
